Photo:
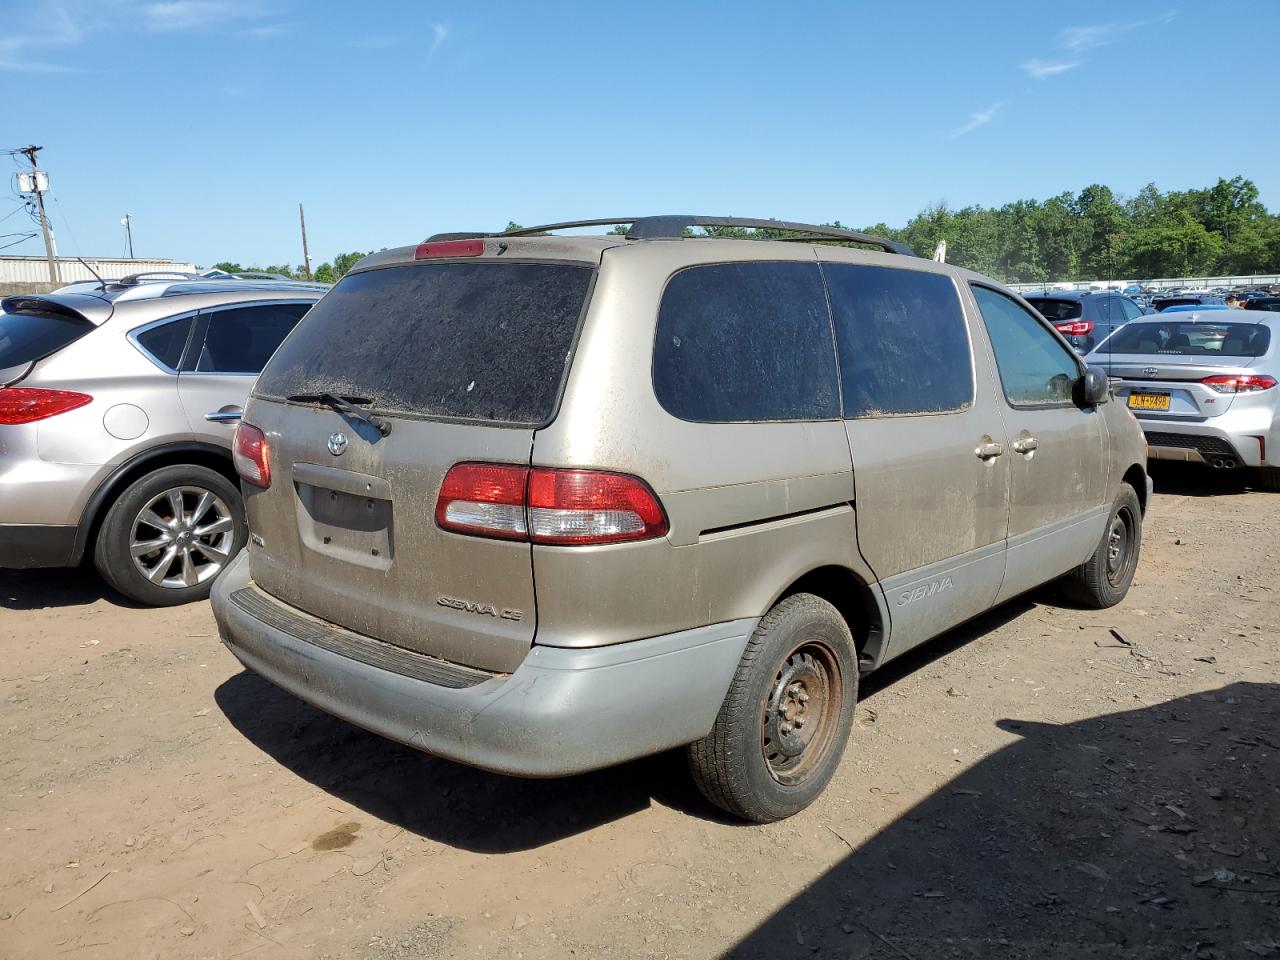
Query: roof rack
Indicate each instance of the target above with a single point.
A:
(136, 278)
(672, 227)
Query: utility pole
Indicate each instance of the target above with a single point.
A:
(127, 220)
(306, 257)
(49, 252)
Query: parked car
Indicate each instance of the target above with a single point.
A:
(656, 430)
(1203, 386)
(117, 410)
(1263, 303)
(1188, 300)
(1088, 318)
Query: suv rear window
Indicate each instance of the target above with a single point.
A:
(29, 335)
(463, 341)
(744, 342)
(1191, 339)
(1056, 310)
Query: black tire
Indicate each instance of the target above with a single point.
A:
(192, 567)
(1267, 478)
(1103, 580)
(803, 643)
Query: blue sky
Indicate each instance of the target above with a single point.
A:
(208, 120)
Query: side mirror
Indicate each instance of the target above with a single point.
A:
(1093, 388)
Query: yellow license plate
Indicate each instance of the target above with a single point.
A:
(1148, 401)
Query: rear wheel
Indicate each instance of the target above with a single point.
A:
(1267, 478)
(169, 534)
(1104, 579)
(784, 723)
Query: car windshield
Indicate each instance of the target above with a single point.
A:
(1054, 310)
(29, 335)
(1189, 339)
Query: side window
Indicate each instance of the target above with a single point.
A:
(242, 339)
(746, 342)
(1035, 368)
(902, 341)
(166, 342)
(1131, 309)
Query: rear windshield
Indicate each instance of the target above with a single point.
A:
(28, 336)
(1271, 303)
(1055, 310)
(1191, 339)
(467, 341)
(1179, 302)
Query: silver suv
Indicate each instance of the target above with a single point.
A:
(543, 504)
(118, 402)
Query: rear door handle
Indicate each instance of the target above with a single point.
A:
(988, 449)
(223, 416)
(1025, 444)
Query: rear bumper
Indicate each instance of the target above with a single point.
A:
(1195, 443)
(563, 711)
(26, 545)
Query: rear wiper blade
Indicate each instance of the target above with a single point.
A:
(348, 406)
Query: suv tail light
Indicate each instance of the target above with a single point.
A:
(1242, 383)
(252, 455)
(1075, 328)
(28, 404)
(541, 505)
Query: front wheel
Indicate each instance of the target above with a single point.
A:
(169, 535)
(784, 723)
(1103, 580)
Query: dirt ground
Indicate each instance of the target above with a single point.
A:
(1029, 786)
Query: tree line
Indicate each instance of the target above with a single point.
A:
(1093, 235)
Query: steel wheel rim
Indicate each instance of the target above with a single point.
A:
(801, 713)
(182, 537)
(1120, 553)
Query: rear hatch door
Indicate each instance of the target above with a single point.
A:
(464, 360)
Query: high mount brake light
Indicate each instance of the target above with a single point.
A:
(1241, 383)
(252, 455)
(541, 505)
(20, 405)
(449, 248)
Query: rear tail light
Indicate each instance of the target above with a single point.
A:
(449, 248)
(29, 404)
(252, 455)
(540, 505)
(1075, 328)
(1242, 383)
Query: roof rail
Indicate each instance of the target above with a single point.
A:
(673, 227)
(136, 278)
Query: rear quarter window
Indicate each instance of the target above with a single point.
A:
(741, 342)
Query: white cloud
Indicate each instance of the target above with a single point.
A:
(439, 32)
(1039, 69)
(271, 29)
(979, 119)
(176, 15)
(1080, 39)
(47, 27)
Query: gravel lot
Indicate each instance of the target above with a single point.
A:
(1029, 786)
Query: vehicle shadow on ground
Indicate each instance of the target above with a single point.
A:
(1194, 480)
(486, 812)
(67, 587)
(1149, 833)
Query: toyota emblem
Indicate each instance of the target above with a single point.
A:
(1146, 371)
(337, 443)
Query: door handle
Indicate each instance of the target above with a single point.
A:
(988, 449)
(223, 416)
(1025, 445)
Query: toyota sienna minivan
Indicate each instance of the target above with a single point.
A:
(544, 503)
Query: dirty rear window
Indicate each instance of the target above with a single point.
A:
(468, 341)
